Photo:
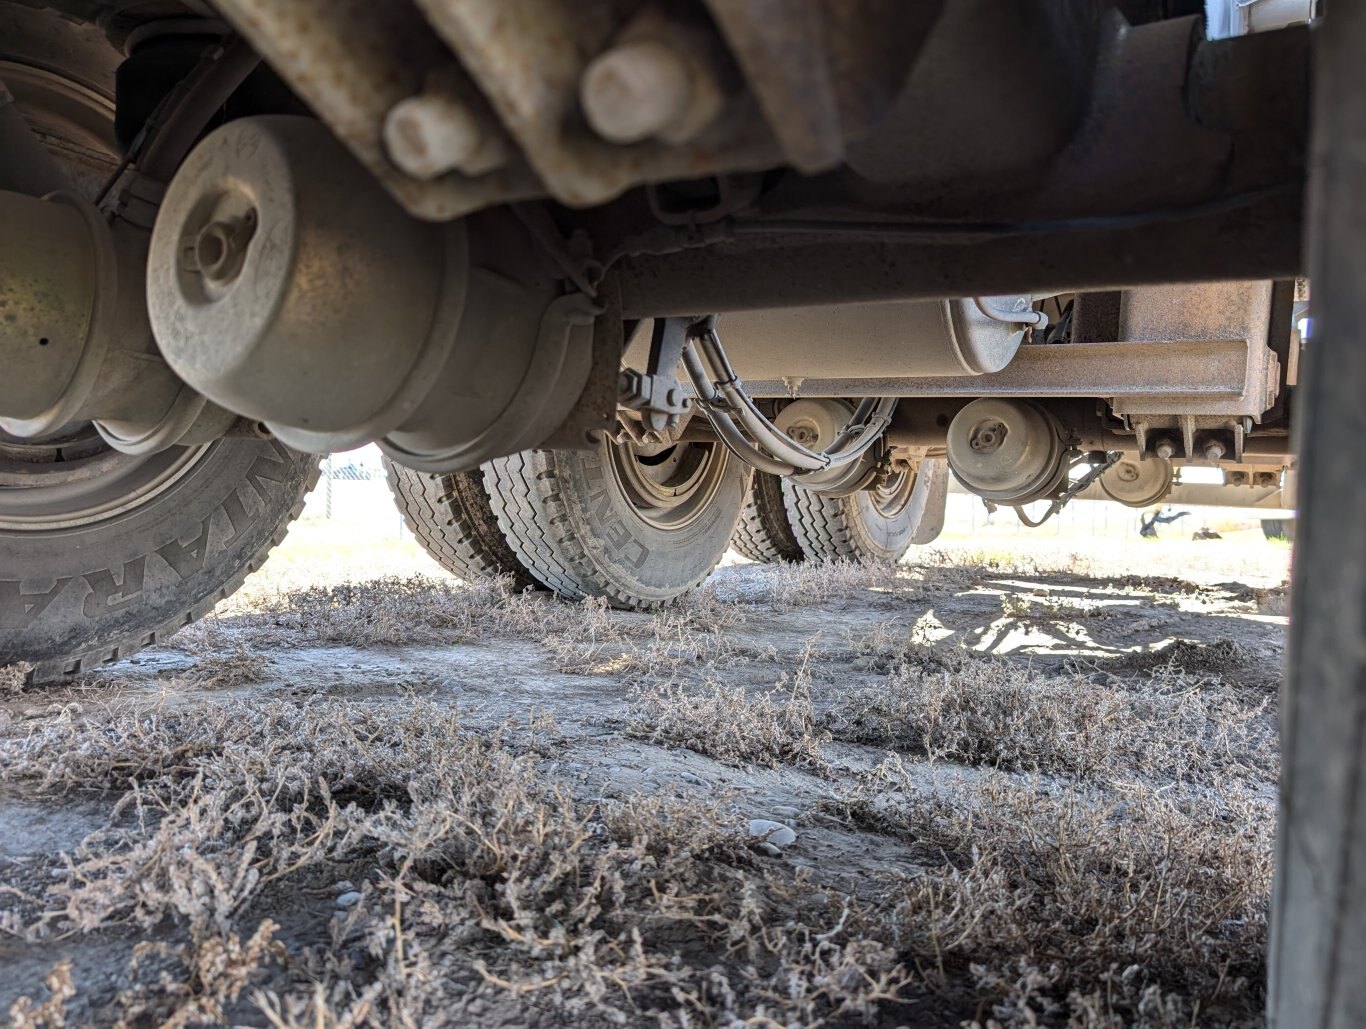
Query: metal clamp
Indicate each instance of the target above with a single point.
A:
(656, 392)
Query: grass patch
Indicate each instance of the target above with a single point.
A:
(485, 885)
(731, 724)
(1060, 906)
(991, 712)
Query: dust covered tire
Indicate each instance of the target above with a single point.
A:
(453, 519)
(97, 578)
(581, 521)
(763, 533)
(870, 525)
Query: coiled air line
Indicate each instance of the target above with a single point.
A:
(843, 466)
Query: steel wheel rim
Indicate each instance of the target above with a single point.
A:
(671, 488)
(74, 478)
(892, 496)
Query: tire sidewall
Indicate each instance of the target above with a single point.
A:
(647, 562)
(68, 593)
(919, 521)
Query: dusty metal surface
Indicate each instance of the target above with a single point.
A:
(598, 96)
(352, 61)
(1214, 427)
(1261, 238)
(1168, 373)
(1200, 494)
(821, 72)
(928, 337)
(528, 57)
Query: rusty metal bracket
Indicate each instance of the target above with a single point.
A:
(656, 392)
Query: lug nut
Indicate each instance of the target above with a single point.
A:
(434, 133)
(1214, 450)
(1164, 448)
(645, 88)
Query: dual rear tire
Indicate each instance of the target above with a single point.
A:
(636, 527)
(640, 527)
(784, 522)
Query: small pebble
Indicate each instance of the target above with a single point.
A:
(345, 886)
(348, 900)
(786, 811)
(778, 835)
(689, 777)
(768, 849)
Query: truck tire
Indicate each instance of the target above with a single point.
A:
(1318, 909)
(102, 554)
(763, 533)
(452, 518)
(870, 525)
(636, 528)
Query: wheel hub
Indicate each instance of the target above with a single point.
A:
(668, 488)
(891, 497)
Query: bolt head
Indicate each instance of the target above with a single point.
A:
(635, 91)
(431, 134)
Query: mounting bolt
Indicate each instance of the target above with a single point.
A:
(435, 132)
(646, 88)
(1214, 450)
(1165, 448)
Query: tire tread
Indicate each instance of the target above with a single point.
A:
(764, 533)
(452, 517)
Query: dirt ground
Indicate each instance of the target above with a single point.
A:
(1024, 788)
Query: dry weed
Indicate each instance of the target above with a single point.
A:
(1066, 909)
(235, 667)
(818, 582)
(13, 677)
(25, 1013)
(390, 612)
(993, 712)
(484, 883)
(727, 723)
